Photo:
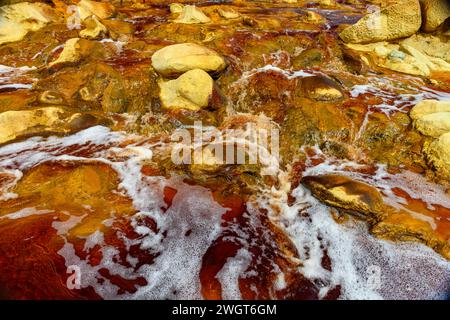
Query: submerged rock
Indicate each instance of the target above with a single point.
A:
(178, 58)
(308, 58)
(321, 88)
(396, 21)
(192, 91)
(51, 97)
(18, 19)
(314, 17)
(346, 193)
(434, 13)
(401, 226)
(114, 97)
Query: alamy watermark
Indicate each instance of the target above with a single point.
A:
(374, 21)
(74, 279)
(373, 277)
(74, 18)
(210, 146)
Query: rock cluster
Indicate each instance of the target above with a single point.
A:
(406, 51)
(191, 62)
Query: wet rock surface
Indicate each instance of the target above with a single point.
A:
(395, 21)
(192, 90)
(91, 94)
(179, 58)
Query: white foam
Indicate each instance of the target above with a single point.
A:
(392, 100)
(287, 73)
(230, 273)
(16, 86)
(5, 193)
(23, 213)
(118, 44)
(7, 69)
(191, 223)
(9, 76)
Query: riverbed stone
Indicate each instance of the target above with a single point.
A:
(396, 21)
(191, 91)
(178, 58)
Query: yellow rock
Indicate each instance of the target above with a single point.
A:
(426, 107)
(179, 58)
(74, 50)
(327, 2)
(430, 45)
(345, 193)
(314, 17)
(409, 66)
(192, 15)
(18, 19)
(435, 64)
(434, 124)
(192, 91)
(402, 226)
(14, 124)
(320, 2)
(438, 153)
(94, 29)
(103, 10)
(369, 47)
(434, 13)
(413, 60)
(393, 22)
(176, 8)
(228, 13)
